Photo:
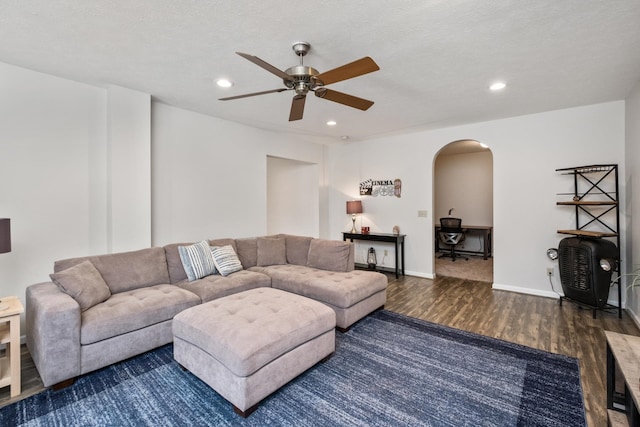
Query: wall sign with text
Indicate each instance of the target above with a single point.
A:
(385, 187)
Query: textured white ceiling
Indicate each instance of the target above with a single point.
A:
(436, 57)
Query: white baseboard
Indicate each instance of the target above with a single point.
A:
(420, 274)
(528, 291)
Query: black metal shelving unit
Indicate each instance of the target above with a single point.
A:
(597, 213)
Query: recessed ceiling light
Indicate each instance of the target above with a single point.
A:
(344, 137)
(224, 83)
(498, 86)
(332, 123)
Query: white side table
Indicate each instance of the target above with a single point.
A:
(10, 309)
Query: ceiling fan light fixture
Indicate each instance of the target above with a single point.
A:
(225, 83)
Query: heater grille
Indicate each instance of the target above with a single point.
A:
(574, 268)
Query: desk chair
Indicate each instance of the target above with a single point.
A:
(451, 234)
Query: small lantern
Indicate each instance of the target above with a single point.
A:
(371, 259)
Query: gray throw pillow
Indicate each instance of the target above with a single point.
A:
(271, 251)
(332, 255)
(84, 283)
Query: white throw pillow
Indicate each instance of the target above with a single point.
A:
(226, 259)
(197, 260)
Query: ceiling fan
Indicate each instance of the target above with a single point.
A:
(303, 79)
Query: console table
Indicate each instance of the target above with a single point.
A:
(396, 239)
(10, 309)
(623, 351)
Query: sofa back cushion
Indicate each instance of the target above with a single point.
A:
(272, 251)
(297, 249)
(125, 271)
(247, 249)
(332, 255)
(174, 263)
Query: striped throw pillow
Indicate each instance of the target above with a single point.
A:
(197, 260)
(226, 260)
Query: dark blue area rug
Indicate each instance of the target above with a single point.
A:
(388, 370)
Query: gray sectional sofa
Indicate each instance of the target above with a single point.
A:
(74, 328)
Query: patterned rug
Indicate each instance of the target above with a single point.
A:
(388, 369)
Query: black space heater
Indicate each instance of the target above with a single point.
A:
(582, 278)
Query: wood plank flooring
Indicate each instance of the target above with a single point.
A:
(473, 306)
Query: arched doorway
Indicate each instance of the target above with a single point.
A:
(463, 188)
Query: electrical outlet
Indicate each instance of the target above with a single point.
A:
(549, 271)
(386, 252)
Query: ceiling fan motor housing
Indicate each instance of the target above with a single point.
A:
(303, 80)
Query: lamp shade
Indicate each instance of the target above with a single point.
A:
(354, 207)
(5, 235)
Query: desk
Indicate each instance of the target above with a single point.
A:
(10, 336)
(397, 239)
(486, 230)
(623, 351)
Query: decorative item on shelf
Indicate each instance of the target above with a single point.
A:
(5, 235)
(371, 259)
(354, 207)
(365, 230)
(396, 230)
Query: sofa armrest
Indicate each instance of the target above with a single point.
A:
(53, 332)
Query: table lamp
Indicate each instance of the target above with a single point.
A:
(5, 235)
(354, 207)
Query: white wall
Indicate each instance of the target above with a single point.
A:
(526, 151)
(128, 169)
(210, 175)
(51, 131)
(631, 215)
(292, 197)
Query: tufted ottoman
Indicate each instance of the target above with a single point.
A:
(247, 345)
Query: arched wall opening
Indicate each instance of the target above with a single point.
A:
(463, 188)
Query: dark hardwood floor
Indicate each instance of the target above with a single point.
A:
(473, 306)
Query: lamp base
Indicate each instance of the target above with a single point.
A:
(353, 228)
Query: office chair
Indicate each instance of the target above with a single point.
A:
(451, 234)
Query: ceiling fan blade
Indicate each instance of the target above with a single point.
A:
(297, 107)
(270, 68)
(348, 71)
(246, 95)
(343, 98)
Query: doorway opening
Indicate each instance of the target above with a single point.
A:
(292, 197)
(463, 188)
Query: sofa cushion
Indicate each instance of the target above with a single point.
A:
(247, 249)
(271, 251)
(339, 289)
(224, 242)
(217, 286)
(332, 255)
(174, 263)
(297, 249)
(83, 283)
(197, 260)
(226, 259)
(132, 310)
(125, 271)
